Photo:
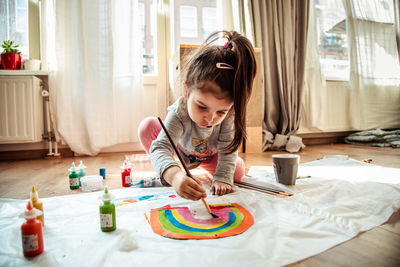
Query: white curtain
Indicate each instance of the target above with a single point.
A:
(314, 100)
(375, 70)
(93, 53)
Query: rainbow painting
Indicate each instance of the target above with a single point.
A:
(179, 222)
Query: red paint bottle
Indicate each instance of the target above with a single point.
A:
(126, 173)
(31, 231)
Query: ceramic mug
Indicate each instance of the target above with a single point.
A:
(285, 167)
(31, 64)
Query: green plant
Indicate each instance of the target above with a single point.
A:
(10, 47)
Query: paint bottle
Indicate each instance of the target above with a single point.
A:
(31, 232)
(37, 203)
(107, 212)
(148, 182)
(81, 172)
(125, 174)
(73, 177)
(102, 172)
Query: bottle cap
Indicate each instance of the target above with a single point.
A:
(126, 165)
(73, 168)
(81, 166)
(34, 194)
(31, 212)
(106, 195)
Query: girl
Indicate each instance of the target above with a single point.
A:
(208, 122)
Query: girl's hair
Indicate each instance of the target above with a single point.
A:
(234, 79)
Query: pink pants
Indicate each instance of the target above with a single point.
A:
(148, 131)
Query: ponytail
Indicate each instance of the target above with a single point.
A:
(245, 72)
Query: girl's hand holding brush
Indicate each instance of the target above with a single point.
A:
(186, 187)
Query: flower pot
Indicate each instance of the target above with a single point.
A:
(10, 61)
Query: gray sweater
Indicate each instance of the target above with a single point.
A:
(195, 144)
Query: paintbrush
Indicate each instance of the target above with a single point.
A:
(273, 190)
(261, 190)
(183, 164)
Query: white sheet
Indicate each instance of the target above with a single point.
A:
(342, 198)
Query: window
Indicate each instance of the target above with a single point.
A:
(372, 34)
(209, 21)
(332, 39)
(14, 24)
(188, 21)
(192, 21)
(147, 20)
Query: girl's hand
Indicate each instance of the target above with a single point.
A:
(220, 189)
(189, 188)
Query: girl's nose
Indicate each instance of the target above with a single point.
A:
(210, 117)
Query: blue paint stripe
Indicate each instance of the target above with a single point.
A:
(173, 221)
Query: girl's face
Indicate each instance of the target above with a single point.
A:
(204, 108)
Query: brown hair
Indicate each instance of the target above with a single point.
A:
(238, 52)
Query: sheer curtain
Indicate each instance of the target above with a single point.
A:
(375, 69)
(93, 53)
(313, 111)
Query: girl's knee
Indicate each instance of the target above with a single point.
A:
(146, 125)
(148, 131)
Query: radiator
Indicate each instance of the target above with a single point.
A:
(21, 109)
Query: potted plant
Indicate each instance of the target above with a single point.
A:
(11, 56)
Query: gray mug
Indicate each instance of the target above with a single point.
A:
(285, 167)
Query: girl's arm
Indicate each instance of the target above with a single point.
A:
(162, 159)
(226, 162)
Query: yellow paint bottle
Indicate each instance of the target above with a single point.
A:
(37, 204)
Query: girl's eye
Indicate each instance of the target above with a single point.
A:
(221, 113)
(202, 107)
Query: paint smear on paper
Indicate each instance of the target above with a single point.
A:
(127, 200)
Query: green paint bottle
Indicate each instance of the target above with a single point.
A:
(107, 212)
(73, 177)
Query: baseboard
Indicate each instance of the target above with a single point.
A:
(33, 154)
(324, 138)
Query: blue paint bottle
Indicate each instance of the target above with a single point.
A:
(102, 172)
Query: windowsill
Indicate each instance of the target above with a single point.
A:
(22, 72)
(147, 79)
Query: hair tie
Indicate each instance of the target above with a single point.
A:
(222, 65)
(228, 45)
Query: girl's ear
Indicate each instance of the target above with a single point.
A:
(185, 90)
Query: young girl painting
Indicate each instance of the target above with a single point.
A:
(207, 123)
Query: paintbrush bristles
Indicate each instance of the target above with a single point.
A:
(183, 164)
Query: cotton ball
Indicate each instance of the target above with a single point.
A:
(127, 242)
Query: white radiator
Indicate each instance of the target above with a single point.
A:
(21, 109)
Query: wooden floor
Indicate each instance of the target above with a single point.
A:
(377, 247)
